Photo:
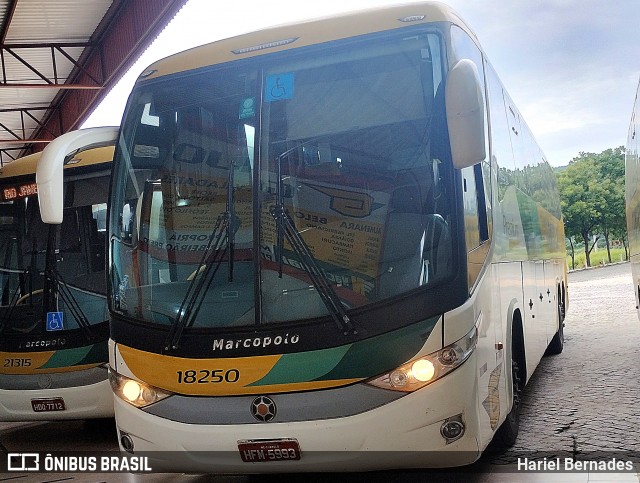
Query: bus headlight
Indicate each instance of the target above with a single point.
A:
(419, 372)
(135, 392)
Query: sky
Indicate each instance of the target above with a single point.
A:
(571, 66)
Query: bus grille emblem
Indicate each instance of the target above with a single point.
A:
(263, 409)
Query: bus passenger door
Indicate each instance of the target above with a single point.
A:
(483, 283)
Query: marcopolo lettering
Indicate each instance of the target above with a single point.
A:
(45, 343)
(278, 340)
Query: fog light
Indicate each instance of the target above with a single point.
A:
(452, 429)
(126, 442)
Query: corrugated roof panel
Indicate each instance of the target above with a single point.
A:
(56, 21)
(8, 137)
(42, 21)
(14, 122)
(39, 59)
(125, 27)
(4, 8)
(11, 97)
(10, 121)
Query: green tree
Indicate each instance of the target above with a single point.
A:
(592, 198)
(582, 200)
(613, 221)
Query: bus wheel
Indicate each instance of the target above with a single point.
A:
(557, 343)
(507, 433)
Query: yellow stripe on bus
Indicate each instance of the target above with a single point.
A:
(212, 377)
(33, 362)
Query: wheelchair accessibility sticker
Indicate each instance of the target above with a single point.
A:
(279, 87)
(55, 321)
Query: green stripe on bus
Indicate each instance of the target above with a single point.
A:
(91, 354)
(360, 360)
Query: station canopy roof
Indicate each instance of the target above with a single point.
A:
(59, 58)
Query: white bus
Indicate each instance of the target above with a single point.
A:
(54, 325)
(333, 245)
(632, 195)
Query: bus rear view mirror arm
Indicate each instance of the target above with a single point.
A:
(465, 114)
(49, 171)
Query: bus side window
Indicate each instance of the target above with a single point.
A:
(483, 225)
(476, 225)
(470, 201)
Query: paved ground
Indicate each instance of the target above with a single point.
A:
(585, 401)
(581, 403)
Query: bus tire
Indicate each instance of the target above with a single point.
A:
(507, 433)
(557, 343)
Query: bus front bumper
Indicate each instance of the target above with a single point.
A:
(79, 402)
(403, 434)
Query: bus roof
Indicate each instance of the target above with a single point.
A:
(304, 33)
(27, 164)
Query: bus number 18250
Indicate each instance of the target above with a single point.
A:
(205, 376)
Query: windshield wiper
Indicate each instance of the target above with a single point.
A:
(59, 286)
(223, 234)
(286, 228)
(15, 297)
(55, 285)
(23, 285)
(203, 275)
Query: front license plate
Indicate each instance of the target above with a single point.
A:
(263, 451)
(47, 405)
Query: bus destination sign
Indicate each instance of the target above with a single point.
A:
(20, 191)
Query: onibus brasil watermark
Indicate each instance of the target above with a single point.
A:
(77, 463)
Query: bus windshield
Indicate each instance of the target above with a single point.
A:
(77, 247)
(285, 187)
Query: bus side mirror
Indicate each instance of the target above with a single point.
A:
(465, 114)
(49, 170)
